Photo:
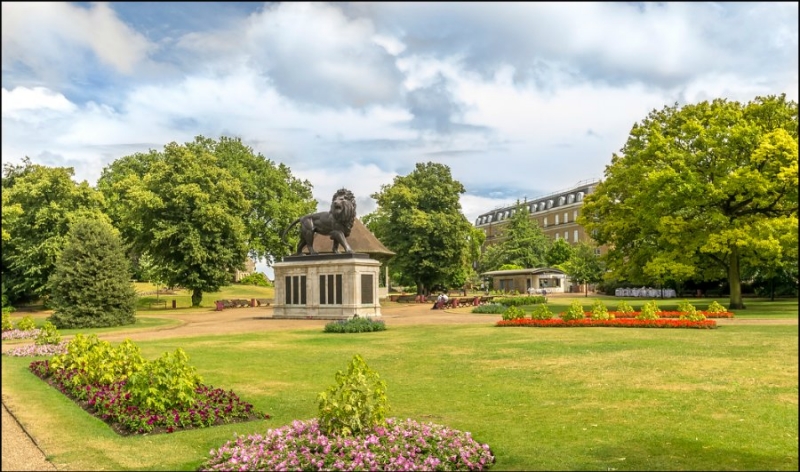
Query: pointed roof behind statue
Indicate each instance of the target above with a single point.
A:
(360, 240)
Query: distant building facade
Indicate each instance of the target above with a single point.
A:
(249, 269)
(556, 214)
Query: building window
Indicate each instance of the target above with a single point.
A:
(575, 215)
(561, 200)
(575, 236)
(556, 219)
(571, 198)
(566, 235)
(566, 217)
(295, 290)
(580, 196)
(549, 204)
(597, 251)
(545, 222)
(330, 289)
(556, 237)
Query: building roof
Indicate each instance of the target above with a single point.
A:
(360, 240)
(537, 271)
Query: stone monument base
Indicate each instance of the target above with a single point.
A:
(327, 287)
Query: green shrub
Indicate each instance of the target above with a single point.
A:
(7, 325)
(689, 312)
(600, 312)
(649, 311)
(624, 307)
(519, 301)
(26, 323)
(48, 334)
(96, 361)
(165, 383)
(715, 307)
(574, 312)
(356, 403)
(256, 278)
(490, 308)
(90, 286)
(542, 312)
(513, 313)
(355, 325)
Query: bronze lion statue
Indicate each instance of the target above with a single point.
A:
(335, 223)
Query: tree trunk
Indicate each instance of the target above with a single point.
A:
(197, 297)
(734, 280)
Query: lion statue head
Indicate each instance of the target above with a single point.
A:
(343, 209)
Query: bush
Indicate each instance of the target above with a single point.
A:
(625, 307)
(96, 361)
(575, 312)
(7, 325)
(166, 383)
(600, 312)
(513, 313)
(48, 334)
(357, 402)
(26, 323)
(649, 311)
(519, 301)
(542, 312)
(256, 278)
(90, 287)
(490, 308)
(715, 307)
(355, 325)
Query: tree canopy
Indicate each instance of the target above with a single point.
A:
(699, 191)
(419, 218)
(40, 204)
(187, 211)
(522, 243)
(583, 266)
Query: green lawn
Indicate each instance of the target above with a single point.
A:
(543, 399)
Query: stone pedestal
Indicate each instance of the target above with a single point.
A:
(327, 287)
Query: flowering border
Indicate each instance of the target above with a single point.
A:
(614, 323)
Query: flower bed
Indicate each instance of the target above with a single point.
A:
(112, 404)
(670, 314)
(399, 445)
(32, 350)
(615, 323)
(20, 334)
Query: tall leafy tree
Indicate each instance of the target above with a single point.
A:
(419, 218)
(43, 201)
(583, 266)
(91, 285)
(558, 253)
(710, 187)
(522, 243)
(275, 196)
(189, 210)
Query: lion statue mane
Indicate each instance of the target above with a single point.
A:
(336, 223)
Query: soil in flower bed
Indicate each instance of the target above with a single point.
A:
(120, 428)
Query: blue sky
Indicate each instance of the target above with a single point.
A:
(518, 99)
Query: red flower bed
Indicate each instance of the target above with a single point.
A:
(670, 314)
(615, 323)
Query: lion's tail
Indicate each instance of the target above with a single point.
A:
(286, 231)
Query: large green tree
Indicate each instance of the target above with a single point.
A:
(558, 253)
(274, 195)
(419, 218)
(42, 203)
(522, 243)
(91, 285)
(705, 188)
(188, 213)
(583, 266)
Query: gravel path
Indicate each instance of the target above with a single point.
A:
(20, 452)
